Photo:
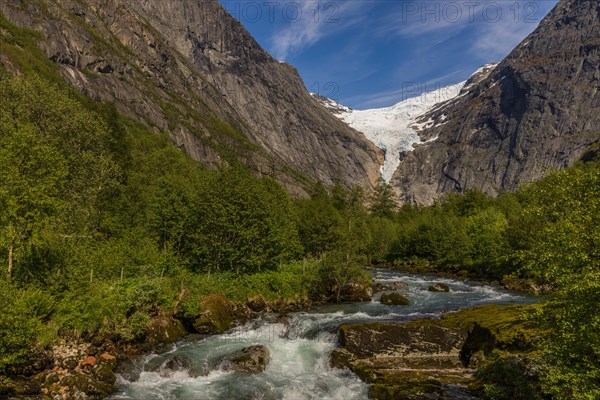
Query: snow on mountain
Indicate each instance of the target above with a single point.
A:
(393, 129)
(396, 129)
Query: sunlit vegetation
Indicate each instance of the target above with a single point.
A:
(104, 223)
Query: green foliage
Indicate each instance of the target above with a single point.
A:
(486, 232)
(433, 235)
(300, 278)
(55, 159)
(565, 237)
(31, 180)
(21, 325)
(382, 235)
(39, 303)
(507, 378)
(383, 204)
(122, 308)
(318, 222)
(571, 351)
(228, 221)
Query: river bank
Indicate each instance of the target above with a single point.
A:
(299, 347)
(86, 367)
(181, 357)
(447, 357)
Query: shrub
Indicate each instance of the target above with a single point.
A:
(19, 327)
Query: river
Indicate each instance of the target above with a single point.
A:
(299, 350)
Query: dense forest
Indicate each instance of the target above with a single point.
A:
(105, 223)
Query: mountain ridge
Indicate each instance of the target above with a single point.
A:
(191, 69)
(535, 112)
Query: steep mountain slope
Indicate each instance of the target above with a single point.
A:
(189, 68)
(536, 111)
(393, 129)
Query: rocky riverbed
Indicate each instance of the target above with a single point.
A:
(381, 352)
(434, 357)
(392, 343)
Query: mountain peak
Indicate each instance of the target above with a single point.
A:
(397, 129)
(534, 112)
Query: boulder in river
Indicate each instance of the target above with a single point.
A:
(175, 364)
(430, 358)
(216, 315)
(251, 359)
(163, 328)
(383, 287)
(356, 291)
(394, 299)
(439, 287)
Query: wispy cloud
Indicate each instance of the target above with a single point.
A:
(412, 19)
(497, 26)
(405, 91)
(494, 39)
(309, 22)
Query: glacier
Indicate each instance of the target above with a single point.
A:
(393, 129)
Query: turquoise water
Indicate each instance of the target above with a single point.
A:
(299, 368)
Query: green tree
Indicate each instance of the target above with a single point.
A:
(19, 328)
(382, 236)
(243, 224)
(55, 156)
(564, 238)
(571, 349)
(32, 176)
(318, 221)
(79, 135)
(383, 204)
(487, 237)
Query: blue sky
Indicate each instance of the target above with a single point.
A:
(374, 53)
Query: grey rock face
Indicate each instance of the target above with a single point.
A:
(189, 68)
(535, 112)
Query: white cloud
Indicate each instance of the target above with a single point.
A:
(497, 26)
(312, 21)
(519, 18)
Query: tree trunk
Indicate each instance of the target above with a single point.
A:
(10, 260)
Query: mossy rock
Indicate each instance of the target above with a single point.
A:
(216, 315)
(105, 374)
(20, 388)
(88, 385)
(439, 287)
(165, 329)
(251, 360)
(511, 376)
(340, 358)
(394, 299)
(401, 340)
(410, 390)
(434, 357)
(510, 326)
(356, 291)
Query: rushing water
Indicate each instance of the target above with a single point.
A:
(298, 368)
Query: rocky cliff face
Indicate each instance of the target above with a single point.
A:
(534, 112)
(189, 68)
